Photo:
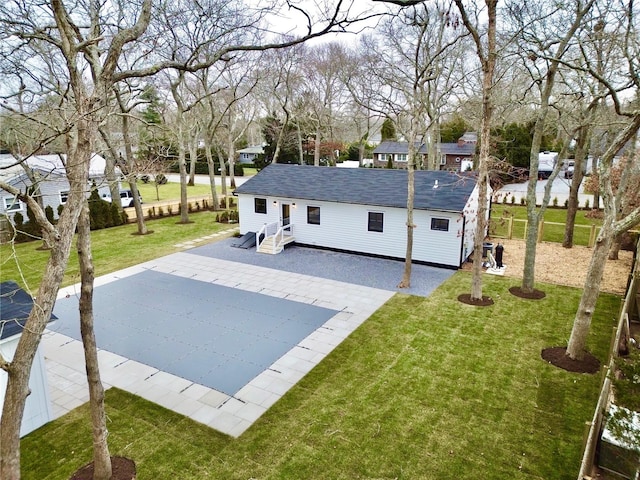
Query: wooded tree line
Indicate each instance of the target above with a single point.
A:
(137, 80)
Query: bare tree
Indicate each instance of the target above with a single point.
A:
(487, 51)
(546, 31)
(622, 29)
(412, 55)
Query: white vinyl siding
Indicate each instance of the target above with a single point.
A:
(345, 227)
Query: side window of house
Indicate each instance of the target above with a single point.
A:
(402, 157)
(376, 220)
(313, 215)
(260, 205)
(64, 194)
(440, 224)
(12, 204)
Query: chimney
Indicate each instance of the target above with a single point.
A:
(461, 141)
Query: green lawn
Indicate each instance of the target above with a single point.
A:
(552, 233)
(113, 249)
(427, 388)
(170, 191)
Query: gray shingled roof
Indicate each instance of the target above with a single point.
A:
(362, 186)
(398, 147)
(455, 149)
(15, 306)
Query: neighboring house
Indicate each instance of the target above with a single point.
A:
(397, 153)
(457, 157)
(15, 306)
(250, 154)
(363, 210)
(453, 156)
(53, 184)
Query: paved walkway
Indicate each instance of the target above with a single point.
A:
(230, 414)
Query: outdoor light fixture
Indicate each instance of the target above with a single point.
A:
(275, 202)
(294, 204)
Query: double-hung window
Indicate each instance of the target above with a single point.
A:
(313, 215)
(12, 204)
(260, 205)
(376, 222)
(440, 224)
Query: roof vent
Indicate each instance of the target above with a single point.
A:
(435, 184)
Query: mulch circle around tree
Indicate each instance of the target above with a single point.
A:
(558, 357)
(122, 468)
(466, 298)
(534, 295)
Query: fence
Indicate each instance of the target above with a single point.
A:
(158, 209)
(621, 334)
(510, 227)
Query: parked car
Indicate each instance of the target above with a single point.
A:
(126, 198)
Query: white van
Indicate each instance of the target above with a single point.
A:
(126, 198)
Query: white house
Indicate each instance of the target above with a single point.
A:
(362, 210)
(250, 154)
(15, 305)
(52, 179)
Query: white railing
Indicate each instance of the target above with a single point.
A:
(273, 233)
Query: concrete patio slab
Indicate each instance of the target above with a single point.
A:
(305, 318)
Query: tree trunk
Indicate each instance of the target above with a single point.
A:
(574, 190)
(488, 62)
(212, 177)
(223, 177)
(101, 456)
(615, 247)
(316, 147)
(406, 276)
(19, 369)
(582, 321)
(611, 226)
(128, 151)
(231, 155)
(182, 163)
(193, 158)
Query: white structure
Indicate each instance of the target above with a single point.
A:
(250, 154)
(15, 305)
(546, 163)
(362, 210)
(51, 176)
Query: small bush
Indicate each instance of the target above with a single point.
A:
(60, 208)
(555, 201)
(48, 212)
(513, 199)
(566, 203)
(523, 201)
(170, 210)
(224, 217)
(160, 212)
(586, 204)
(189, 207)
